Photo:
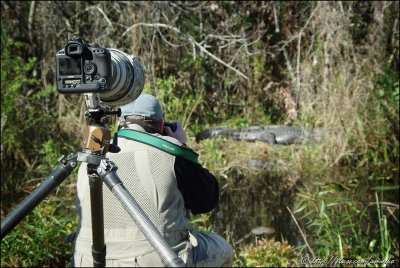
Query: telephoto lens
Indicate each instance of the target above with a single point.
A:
(127, 79)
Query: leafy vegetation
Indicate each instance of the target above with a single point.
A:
(345, 227)
(327, 65)
(267, 253)
(39, 239)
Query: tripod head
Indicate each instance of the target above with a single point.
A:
(97, 136)
(97, 114)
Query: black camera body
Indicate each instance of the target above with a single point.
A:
(173, 126)
(82, 68)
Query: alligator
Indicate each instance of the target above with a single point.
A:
(272, 134)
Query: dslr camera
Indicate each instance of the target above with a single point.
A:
(117, 77)
(82, 69)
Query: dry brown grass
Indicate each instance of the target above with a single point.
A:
(336, 94)
(337, 84)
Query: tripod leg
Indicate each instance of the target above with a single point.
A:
(56, 177)
(106, 171)
(96, 203)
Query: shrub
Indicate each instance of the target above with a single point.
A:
(267, 253)
(38, 240)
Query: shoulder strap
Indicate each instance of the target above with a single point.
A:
(159, 143)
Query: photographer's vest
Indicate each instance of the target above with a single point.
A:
(148, 174)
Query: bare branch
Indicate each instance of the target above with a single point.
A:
(298, 69)
(153, 76)
(299, 53)
(301, 232)
(218, 59)
(289, 65)
(83, 11)
(283, 44)
(130, 28)
(69, 27)
(190, 38)
(228, 38)
(275, 18)
(30, 19)
(295, 77)
(166, 41)
(236, 54)
(105, 16)
(194, 51)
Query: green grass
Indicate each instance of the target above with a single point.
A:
(267, 253)
(340, 225)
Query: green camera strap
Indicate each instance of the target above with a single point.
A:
(159, 143)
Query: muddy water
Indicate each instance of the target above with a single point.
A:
(253, 197)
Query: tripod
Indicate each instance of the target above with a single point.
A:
(100, 170)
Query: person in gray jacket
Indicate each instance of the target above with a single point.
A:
(164, 185)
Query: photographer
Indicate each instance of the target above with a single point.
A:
(164, 185)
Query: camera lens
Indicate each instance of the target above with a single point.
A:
(127, 79)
